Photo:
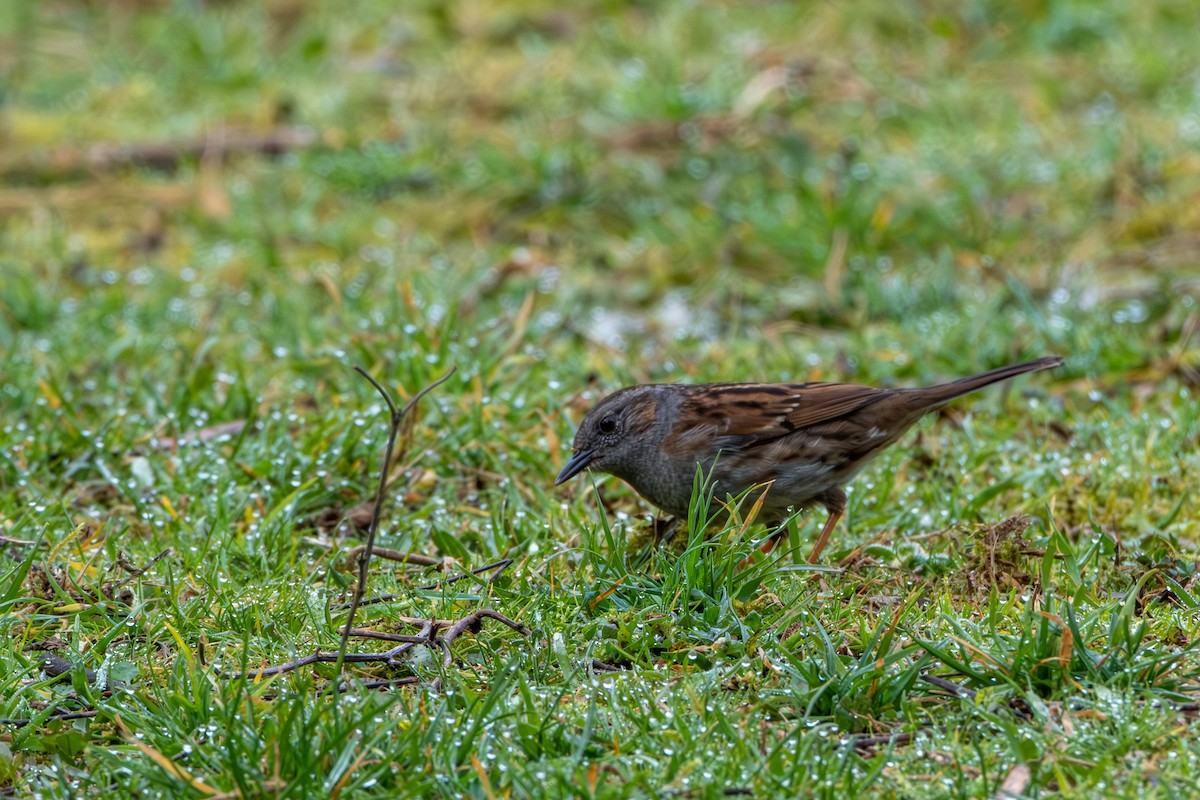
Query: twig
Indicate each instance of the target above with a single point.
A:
(165, 155)
(316, 658)
(21, 722)
(384, 636)
(950, 686)
(57, 666)
(898, 739)
(416, 559)
(387, 683)
(731, 791)
(135, 572)
(10, 540)
(428, 635)
(364, 559)
(438, 634)
(496, 567)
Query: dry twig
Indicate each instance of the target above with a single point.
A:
(429, 635)
(364, 559)
(164, 155)
(496, 567)
(437, 634)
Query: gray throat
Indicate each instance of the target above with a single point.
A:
(650, 470)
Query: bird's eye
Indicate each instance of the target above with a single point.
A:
(608, 425)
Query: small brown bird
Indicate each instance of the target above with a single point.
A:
(800, 443)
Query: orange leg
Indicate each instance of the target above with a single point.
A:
(765, 547)
(772, 541)
(834, 501)
(834, 515)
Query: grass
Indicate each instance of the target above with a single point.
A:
(559, 201)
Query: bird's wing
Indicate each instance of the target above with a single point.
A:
(744, 414)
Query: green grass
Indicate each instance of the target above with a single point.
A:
(558, 201)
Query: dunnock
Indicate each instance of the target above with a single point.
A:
(800, 443)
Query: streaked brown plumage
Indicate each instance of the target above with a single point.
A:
(806, 440)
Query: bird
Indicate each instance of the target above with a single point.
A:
(790, 445)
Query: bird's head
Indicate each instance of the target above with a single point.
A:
(616, 434)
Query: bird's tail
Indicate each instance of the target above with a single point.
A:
(931, 397)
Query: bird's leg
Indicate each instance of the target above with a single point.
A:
(665, 530)
(834, 516)
(779, 530)
(835, 503)
(773, 540)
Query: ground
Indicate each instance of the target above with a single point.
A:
(210, 213)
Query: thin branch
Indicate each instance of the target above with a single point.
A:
(428, 636)
(57, 667)
(496, 567)
(23, 542)
(950, 686)
(135, 572)
(304, 661)
(388, 683)
(165, 155)
(897, 739)
(416, 559)
(439, 634)
(21, 722)
(384, 636)
(364, 558)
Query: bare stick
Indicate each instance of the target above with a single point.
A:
(898, 739)
(387, 683)
(58, 715)
(430, 635)
(10, 540)
(950, 686)
(383, 636)
(496, 567)
(416, 559)
(135, 572)
(164, 155)
(364, 559)
(435, 634)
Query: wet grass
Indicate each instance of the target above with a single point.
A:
(558, 202)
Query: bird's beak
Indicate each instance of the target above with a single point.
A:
(576, 465)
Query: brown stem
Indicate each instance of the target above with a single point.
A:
(364, 559)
